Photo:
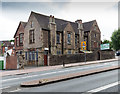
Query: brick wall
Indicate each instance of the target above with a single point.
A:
(11, 62)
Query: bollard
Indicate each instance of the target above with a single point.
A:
(63, 64)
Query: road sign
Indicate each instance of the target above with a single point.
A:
(105, 46)
(83, 45)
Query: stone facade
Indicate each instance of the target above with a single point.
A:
(47, 35)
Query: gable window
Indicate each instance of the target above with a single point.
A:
(21, 39)
(95, 28)
(58, 37)
(31, 24)
(17, 41)
(69, 38)
(31, 36)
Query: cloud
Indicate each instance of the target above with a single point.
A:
(19, 11)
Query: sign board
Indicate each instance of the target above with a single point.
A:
(105, 46)
(83, 45)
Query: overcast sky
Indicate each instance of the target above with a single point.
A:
(106, 14)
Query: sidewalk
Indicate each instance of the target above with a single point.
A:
(44, 68)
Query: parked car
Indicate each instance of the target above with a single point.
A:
(117, 53)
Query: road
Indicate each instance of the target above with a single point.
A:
(11, 83)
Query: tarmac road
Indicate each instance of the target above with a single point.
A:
(11, 83)
(101, 82)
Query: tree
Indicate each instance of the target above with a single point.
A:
(107, 41)
(116, 39)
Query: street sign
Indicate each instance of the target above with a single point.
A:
(83, 45)
(105, 46)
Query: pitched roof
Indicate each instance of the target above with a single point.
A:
(60, 23)
(87, 25)
(21, 23)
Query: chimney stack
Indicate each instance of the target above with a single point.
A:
(52, 19)
(79, 22)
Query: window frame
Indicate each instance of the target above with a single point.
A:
(58, 35)
(21, 39)
(68, 38)
(17, 41)
(31, 36)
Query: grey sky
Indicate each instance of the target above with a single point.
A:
(106, 14)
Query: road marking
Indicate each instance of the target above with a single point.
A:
(55, 72)
(18, 78)
(104, 87)
(16, 90)
(4, 87)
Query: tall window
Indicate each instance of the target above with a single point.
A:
(58, 37)
(31, 24)
(95, 28)
(69, 38)
(21, 39)
(17, 41)
(31, 36)
(75, 40)
(95, 35)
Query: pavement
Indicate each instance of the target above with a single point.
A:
(45, 68)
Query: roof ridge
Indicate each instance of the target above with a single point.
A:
(48, 16)
(89, 21)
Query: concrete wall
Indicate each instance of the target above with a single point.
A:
(74, 58)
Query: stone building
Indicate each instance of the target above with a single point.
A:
(45, 35)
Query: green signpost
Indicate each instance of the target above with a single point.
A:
(105, 46)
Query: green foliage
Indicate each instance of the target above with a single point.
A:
(116, 39)
(107, 41)
(11, 40)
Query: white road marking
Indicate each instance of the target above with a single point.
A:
(5, 87)
(55, 72)
(16, 90)
(104, 87)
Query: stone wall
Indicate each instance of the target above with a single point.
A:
(107, 55)
(71, 58)
(74, 58)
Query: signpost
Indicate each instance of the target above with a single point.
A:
(83, 47)
(105, 46)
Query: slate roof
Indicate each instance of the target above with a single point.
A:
(60, 23)
(23, 24)
(87, 25)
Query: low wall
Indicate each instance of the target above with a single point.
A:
(74, 58)
(107, 55)
(71, 58)
(11, 62)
